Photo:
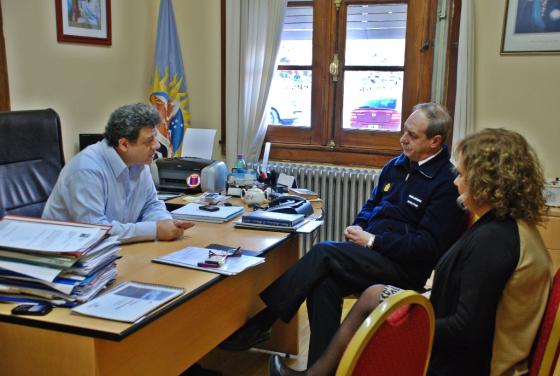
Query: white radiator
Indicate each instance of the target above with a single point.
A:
(343, 190)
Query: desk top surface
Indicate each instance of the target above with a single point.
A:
(553, 211)
(136, 265)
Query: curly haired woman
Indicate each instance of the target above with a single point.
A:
(490, 288)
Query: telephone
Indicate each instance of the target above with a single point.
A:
(291, 205)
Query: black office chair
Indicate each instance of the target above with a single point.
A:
(31, 158)
(86, 139)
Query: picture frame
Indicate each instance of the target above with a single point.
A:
(531, 27)
(83, 21)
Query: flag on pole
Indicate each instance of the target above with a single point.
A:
(169, 87)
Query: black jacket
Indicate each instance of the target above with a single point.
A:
(413, 213)
(467, 287)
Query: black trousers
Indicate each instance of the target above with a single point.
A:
(324, 276)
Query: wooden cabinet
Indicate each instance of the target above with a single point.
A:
(550, 232)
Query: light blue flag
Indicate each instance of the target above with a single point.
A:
(169, 87)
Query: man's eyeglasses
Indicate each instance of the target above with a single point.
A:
(218, 258)
(234, 252)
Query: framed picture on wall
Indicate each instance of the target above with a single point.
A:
(83, 21)
(531, 27)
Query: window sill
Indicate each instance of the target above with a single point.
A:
(339, 156)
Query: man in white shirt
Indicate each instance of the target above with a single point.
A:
(110, 182)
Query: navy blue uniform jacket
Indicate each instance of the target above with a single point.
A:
(413, 212)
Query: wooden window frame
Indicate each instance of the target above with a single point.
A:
(312, 145)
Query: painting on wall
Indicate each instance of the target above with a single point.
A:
(83, 21)
(531, 27)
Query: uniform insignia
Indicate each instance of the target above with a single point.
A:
(387, 187)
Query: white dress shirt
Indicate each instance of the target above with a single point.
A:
(97, 187)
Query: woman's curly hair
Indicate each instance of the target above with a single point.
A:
(502, 170)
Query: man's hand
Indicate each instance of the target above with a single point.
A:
(356, 234)
(183, 224)
(171, 229)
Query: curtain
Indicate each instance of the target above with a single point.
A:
(4, 89)
(253, 33)
(440, 53)
(463, 123)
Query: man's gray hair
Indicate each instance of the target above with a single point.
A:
(128, 120)
(439, 120)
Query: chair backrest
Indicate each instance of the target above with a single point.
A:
(86, 139)
(395, 339)
(547, 343)
(31, 158)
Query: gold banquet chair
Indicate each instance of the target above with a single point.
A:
(395, 339)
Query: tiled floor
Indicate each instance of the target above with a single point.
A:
(255, 363)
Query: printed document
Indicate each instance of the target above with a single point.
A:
(191, 257)
(34, 271)
(192, 212)
(129, 301)
(47, 237)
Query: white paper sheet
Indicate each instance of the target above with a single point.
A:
(266, 155)
(46, 237)
(189, 257)
(198, 143)
(129, 301)
(286, 180)
(191, 212)
(40, 272)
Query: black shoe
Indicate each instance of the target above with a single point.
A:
(245, 338)
(197, 370)
(277, 368)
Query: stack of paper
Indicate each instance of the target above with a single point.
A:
(192, 257)
(303, 192)
(60, 262)
(192, 212)
(272, 218)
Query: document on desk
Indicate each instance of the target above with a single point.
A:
(42, 273)
(129, 301)
(307, 226)
(164, 196)
(192, 212)
(48, 236)
(191, 257)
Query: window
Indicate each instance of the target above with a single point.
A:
(348, 73)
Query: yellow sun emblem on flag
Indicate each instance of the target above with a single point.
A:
(387, 187)
(173, 88)
(173, 104)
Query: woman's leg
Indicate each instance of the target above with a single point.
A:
(328, 362)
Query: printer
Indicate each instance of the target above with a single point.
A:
(190, 174)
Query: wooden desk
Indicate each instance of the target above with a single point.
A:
(171, 339)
